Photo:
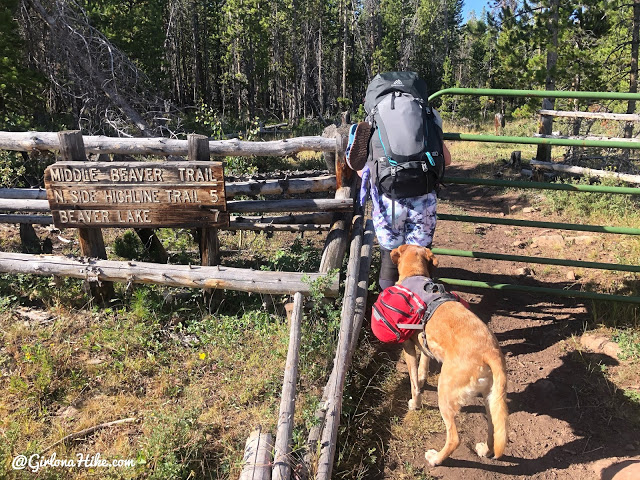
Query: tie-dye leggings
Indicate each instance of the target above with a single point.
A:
(410, 220)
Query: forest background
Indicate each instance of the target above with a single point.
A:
(171, 67)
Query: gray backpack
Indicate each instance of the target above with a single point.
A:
(406, 149)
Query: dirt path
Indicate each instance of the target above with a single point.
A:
(566, 420)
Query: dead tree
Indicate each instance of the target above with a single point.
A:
(86, 70)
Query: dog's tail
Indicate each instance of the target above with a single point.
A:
(497, 402)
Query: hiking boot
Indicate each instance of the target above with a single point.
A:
(358, 145)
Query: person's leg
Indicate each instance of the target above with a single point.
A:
(421, 220)
(390, 235)
(388, 270)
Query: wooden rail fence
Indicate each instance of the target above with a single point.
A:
(264, 458)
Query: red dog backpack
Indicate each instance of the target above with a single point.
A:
(396, 305)
(402, 309)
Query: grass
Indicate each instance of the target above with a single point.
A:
(196, 402)
(197, 382)
(489, 156)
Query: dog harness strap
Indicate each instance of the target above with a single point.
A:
(432, 294)
(411, 326)
(433, 306)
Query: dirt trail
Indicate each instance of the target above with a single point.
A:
(566, 420)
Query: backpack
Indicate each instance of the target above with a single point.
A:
(403, 308)
(405, 149)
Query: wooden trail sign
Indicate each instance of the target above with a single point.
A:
(136, 194)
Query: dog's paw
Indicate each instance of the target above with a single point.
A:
(482, 449)
(422, 381)
(415, 404)
(432, 457)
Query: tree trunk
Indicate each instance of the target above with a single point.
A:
(546, 122)
(345, 38)
(633, 77)
(320, 91)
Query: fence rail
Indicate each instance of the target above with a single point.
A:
(27, 141)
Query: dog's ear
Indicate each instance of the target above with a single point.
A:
(397, 252)
(432, 261)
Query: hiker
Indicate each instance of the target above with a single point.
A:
(399, 153)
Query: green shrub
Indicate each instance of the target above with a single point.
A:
(594, 205)
(172, 445)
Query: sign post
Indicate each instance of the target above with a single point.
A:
(91, 241)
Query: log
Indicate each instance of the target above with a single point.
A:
(235, 224)
(291, 186)
(32, 219)
(627, 117)
(590, 137)
(27, 141)
(363, 287)
(336, 243)
(24, 193)
(294, 205)
(256, 461)
(322, 217)
(361, 308)
(235, 206)
(193, 276)
(17, 205)
(558, 167)
(91, 240)
(282, 464)
(325, 183)
(334, 403)
(272, 227)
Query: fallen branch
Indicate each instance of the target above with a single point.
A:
(88, 431)
(558, 167)
(628, 117)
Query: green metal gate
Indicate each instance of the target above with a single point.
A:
(541, 186)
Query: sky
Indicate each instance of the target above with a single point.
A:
(476, 5)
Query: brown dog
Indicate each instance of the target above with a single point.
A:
(472, 362)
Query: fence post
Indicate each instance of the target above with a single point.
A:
(209, 244)
(343, 172)
(91, 241)
(29, 239)
(545, 126)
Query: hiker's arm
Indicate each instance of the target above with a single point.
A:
(447, 155)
